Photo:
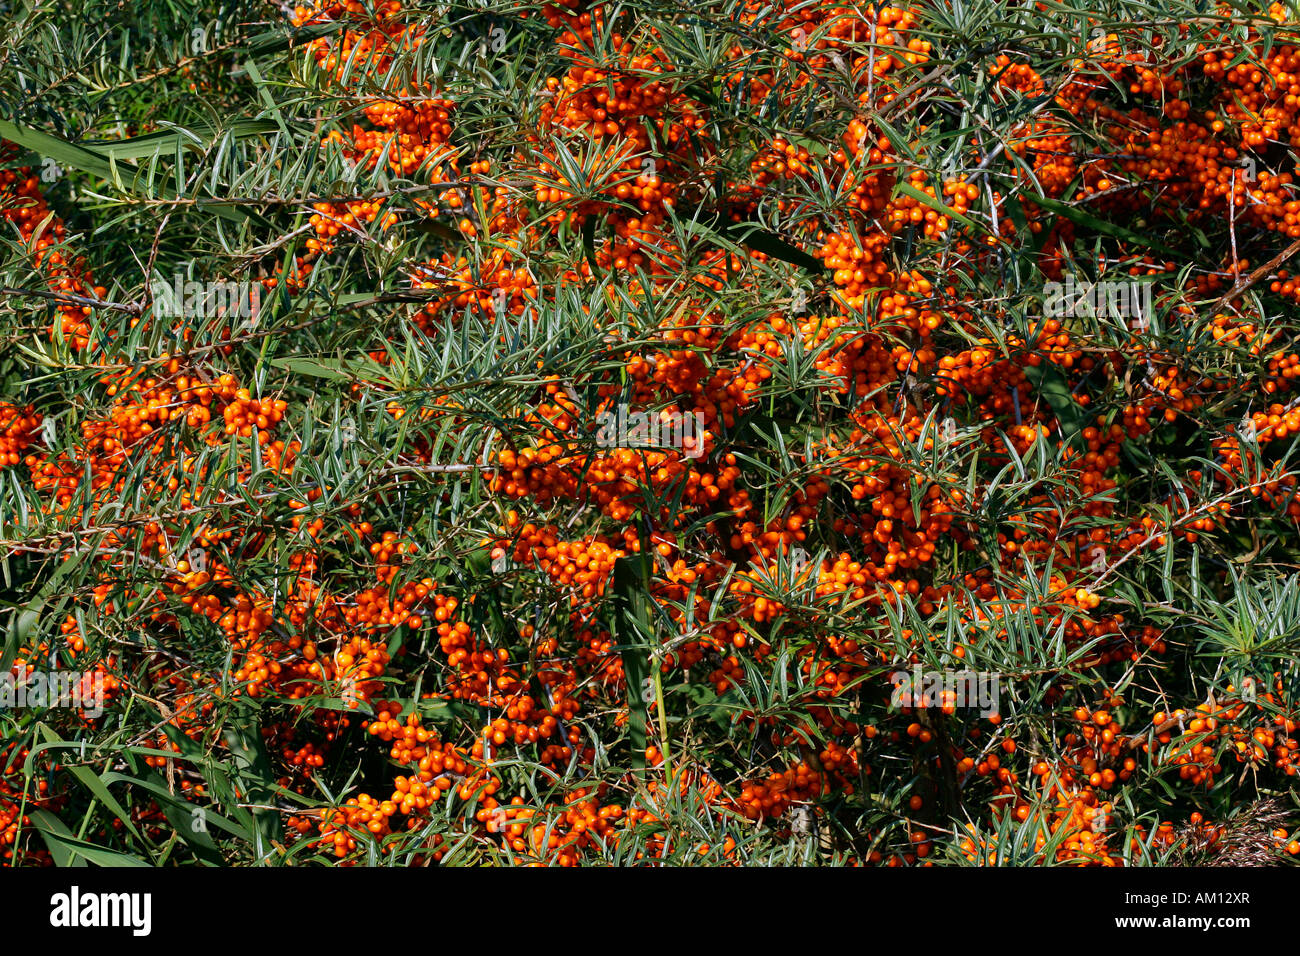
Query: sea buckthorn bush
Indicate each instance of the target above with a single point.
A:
(563, 433)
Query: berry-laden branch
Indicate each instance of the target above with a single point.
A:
(911, 368)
